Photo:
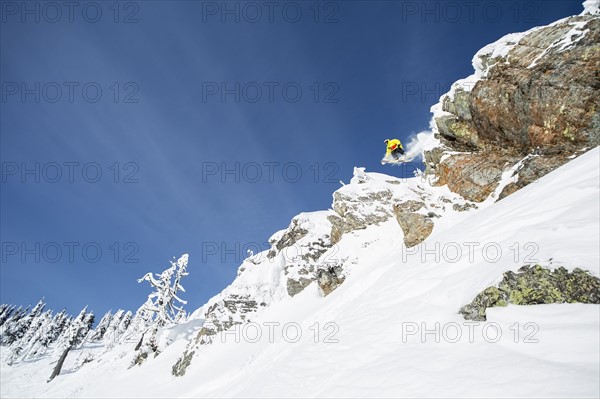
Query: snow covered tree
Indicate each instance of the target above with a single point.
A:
(5, 312)
(87, 329)
(36, 341)
(16, 326)
(59, 325)
(124, 323)
(163, 307)
(140, 322)
(164, 300)
(116, 328)
(181, 271)
(98, 333)
(25, 331)
(73, 336)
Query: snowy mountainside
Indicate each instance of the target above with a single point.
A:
(370, 329)
(364, 299)
(313, 251)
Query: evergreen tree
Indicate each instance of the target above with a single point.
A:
(125, 323)
(73, 336)
(163, 307)
(36, 340)
(13, 326)
(24, 332)
(164, 302)
(5, 312)
(98, 333)
(60, 323)
(140, 323)
(117, 327)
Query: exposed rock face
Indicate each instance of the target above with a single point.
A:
(538, 92)
(231, 310)
(544, 96)
(296, 286)
(329, 278)
(474, 176)
(352, 215)
(291, 236)
(532, 169)
(302, 260)
(463, 208)
(287, 268)
(366, 205)
(536, 285)
(220, 316)
(416, 227)
(180, 367)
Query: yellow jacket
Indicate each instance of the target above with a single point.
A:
(392, 145)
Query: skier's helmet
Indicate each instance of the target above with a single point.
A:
(386, 141)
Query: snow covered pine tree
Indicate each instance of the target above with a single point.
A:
(77, 331)
(162, 308)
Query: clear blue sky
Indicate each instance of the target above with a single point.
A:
(162, 125)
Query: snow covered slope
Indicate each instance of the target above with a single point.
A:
(363, 299)
(392, 328)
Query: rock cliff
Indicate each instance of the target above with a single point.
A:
(534, 94)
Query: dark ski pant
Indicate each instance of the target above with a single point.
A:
(397, 152)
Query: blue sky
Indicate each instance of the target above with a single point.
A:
(117, 124)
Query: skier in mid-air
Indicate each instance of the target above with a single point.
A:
(393, 151)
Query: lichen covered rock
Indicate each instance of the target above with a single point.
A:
(535, 285)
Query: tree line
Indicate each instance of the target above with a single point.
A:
(31, 334)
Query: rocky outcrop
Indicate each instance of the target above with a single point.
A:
(290, 237)
(416, 227)
(351, 214)
(182, 364)
(531, 169)
(296, 286)
(545, 92)
(533, 93)
(287, 268)
(474, 176)
(231, 310)
(464, 207)
(222, 315)
(329, 278)
(535, 285)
